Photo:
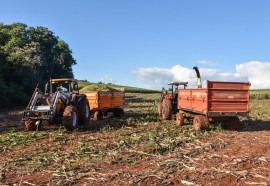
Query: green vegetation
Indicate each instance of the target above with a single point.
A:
(88, 86)
(98, 87)
(28, 56)
(260, 94)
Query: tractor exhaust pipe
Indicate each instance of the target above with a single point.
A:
(198, 77)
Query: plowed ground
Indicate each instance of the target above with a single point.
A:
(137, 149)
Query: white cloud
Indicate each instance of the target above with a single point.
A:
(107, 79)
(255, 72)
(258, 73)
(205, 62)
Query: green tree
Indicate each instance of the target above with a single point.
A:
(31, 55)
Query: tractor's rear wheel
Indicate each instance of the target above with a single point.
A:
(179, 119)
(84, 112)
(32, 124)
(200, 122)
(70, 118)
(166, 109)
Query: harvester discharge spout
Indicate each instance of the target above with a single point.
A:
(198, 77)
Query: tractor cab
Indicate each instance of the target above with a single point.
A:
(173, 91)
(67, 85)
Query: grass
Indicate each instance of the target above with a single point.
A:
(260, 94)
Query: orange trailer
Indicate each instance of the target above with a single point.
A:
(219, 102)
(102, 102)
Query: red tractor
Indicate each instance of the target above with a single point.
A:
(167, 106)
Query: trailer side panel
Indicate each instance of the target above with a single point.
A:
(218, 99)
(99, 100)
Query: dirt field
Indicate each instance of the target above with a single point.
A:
(138, 149)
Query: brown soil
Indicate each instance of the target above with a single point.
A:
(224, 158)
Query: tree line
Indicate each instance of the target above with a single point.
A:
(30, 55)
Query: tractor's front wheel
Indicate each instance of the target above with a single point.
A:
(32, 124)
(70, 118)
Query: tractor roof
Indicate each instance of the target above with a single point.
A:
(178, 83)
(64, 80)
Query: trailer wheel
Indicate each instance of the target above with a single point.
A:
(70, 118)
(32, 124)
(233, 123)
(97, 116)
(166, 109)
(84, 112)
(118, 112)
(200, 122)
(159, 109)
(179, 119)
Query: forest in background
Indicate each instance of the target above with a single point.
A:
(30, 55)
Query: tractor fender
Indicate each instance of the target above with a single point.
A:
(77, 99)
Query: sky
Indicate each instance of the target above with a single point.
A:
(148, 43)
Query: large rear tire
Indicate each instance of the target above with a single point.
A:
(166, 109)
(84, 112)
(32, 124)
(70, 118)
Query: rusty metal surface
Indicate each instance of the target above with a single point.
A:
(218, 99)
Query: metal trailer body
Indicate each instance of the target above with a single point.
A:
(219, 101)
(102, 102)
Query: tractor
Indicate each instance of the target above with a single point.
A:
(61, 102)
(167, 106)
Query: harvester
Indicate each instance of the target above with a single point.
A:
(61, 102)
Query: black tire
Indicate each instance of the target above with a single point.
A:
(179, 119)
(32, 125)
(118, 112)
(84, 112)
(166, 109)
(98, 115)
(70, 118)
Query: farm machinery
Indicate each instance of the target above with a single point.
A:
(219, 102)
(167, 106)
(61, 102)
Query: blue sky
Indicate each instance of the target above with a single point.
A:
(148, 43)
